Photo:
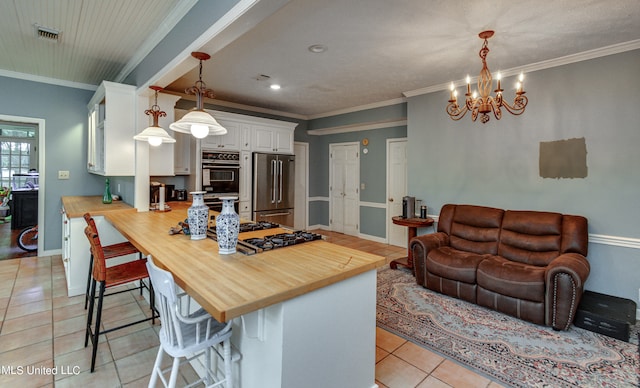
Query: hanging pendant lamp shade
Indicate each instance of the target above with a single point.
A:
(198, 122)
(154, 134)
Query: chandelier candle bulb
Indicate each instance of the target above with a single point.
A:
(498, 77)
(468, 85)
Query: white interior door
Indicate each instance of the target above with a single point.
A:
(396, 188)
(344, 190)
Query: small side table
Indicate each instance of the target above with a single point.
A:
(412, 224)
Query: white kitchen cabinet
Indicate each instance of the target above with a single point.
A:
(112, 121)
(162, 158)
(273, 140)
(182, 147)
(245, 137)
(227, 142)
(246, 166)
(182, 153)
(76, 252)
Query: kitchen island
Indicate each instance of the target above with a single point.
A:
(303, 315)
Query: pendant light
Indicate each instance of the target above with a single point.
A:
(198, 122)
(154, 134)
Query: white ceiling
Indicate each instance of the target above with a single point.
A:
(378, 50)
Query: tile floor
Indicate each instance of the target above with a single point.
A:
(40, 328)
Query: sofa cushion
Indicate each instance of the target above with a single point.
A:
(454, 264)
(512, 278)
(473, 228)
(531, 237)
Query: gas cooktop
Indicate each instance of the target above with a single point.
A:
(250, 246)
(282, 240)
(259, 225)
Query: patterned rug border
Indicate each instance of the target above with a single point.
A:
(494, 359)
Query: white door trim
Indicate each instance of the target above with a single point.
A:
(41, 171)
(389, 223)
(303, 147)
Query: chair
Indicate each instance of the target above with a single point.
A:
(110, 251)
(107, 277)
(183, 333)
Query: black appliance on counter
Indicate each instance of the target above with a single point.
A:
(181, 195)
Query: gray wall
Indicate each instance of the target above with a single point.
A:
(65, 113)
(372, 165)
(496, 164)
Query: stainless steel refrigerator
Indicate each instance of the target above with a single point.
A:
(273, 188)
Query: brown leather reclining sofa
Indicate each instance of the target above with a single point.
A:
(528, 264)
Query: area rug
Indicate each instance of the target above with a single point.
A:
(511, 351)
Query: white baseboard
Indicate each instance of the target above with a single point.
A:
(51, 252)
(373, 238)
(318, 226)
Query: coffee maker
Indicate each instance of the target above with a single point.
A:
(408, 207)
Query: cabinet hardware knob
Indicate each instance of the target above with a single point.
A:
(390, 199)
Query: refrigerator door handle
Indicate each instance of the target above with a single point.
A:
(280, 181)
(274, 184)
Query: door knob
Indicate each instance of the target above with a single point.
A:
(390, 199)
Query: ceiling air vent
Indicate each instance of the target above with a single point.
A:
(47, 33)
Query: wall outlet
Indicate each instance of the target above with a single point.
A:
(63, 174)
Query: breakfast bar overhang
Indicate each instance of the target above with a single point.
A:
(303, 315)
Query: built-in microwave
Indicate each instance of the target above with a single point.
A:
(220, 174)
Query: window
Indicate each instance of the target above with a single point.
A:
(17, 150)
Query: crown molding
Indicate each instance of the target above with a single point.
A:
(542, 65)
(359, 108)
(47, 80)
(227, 104)
(358, 127)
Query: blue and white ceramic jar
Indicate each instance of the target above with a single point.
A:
(198, 216)
(227, 227)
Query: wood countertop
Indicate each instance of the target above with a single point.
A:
(76, 206)
(229, 286)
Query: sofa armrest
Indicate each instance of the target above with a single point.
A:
(565, 278)
(420, 247)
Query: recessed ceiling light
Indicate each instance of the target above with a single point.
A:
(275, 87)
(317, 48)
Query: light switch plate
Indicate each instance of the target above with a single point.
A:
(63, 174)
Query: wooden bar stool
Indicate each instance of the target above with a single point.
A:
(188, 334)
(106, 277)
(110, 251)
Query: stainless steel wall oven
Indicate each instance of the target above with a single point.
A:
(220, 177)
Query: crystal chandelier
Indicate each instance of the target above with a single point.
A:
(485, 103)
(198, 122)
(154, 134)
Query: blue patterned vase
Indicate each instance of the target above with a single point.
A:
(198, 216)
(227, 227)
